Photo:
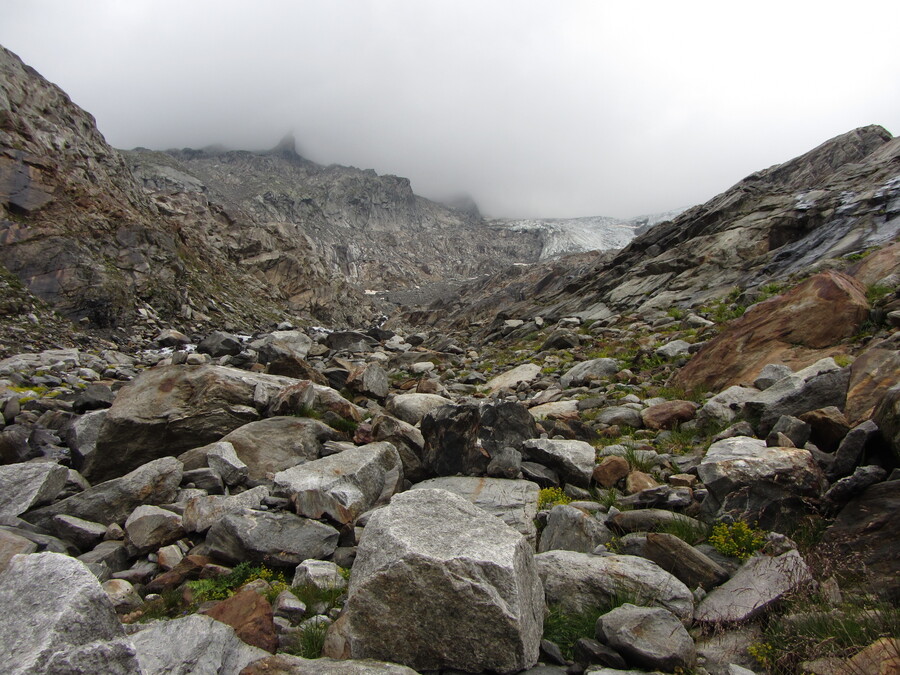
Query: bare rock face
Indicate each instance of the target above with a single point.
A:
(796, 329)
(58, 619)
(439, 583)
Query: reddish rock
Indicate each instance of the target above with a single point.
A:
(871, 375)
(828, 427)
(668, 415)
(251, 616)
(610, 471)
(796, 329)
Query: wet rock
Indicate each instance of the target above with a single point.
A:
(421, 593)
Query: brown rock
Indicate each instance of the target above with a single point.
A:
(189, 568)
(638, 481)
(291, 366)
(610, 471)
(829, 426)
(879, 658)
(669, 414)
(796, 329)
(875, 267)
(871, 375)
(251, 616)
(12, 544)
(682, 480)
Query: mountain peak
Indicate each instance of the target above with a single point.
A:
(286, 146)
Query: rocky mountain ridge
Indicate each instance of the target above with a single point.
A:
(839, 199)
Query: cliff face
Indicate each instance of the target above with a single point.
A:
(371, 229)
(837, 199)
(82, 234)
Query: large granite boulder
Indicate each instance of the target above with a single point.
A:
(571, 529)
(511, 378)
(748, 480)
(57, 618)
(411, 408)
(439, 583)
(345, 485)
(580, 581)
(168, 410)
(191, 645)
(649, 637)
(113, 501)
(513, 501)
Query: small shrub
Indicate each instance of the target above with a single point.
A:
(344, 425)
(565, 628)
(875, 293)
(310, 641)
(737, 539)
(676, 313)
(549, 497)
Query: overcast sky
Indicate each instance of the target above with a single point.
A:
(535, 109)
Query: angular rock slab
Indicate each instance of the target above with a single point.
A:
(56, 618)
(757, 483)
(650, 637)
(345, 485)
(508, 380)
(29, 484)
(284, 664)
(571, 529)
(588, 371)
(758, 584)
(512, 501)
(278, 443)
(439, 583)
(113, 501)
(193, 644)
(411, 408)
(581, 581)
(168, 410)
(274, 538)
(573, 460)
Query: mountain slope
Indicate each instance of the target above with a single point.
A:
(839, 198)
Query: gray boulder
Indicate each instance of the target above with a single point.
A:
(571, 529)
(579, 581)
(274, 538)
(193, 645)
(282, 344)
(673, 349)
(758, 584)
(202, 512)
(850, 450)
(407, 439)
(513, 501)
(278, 443)
(753, 482)
(439, 583)
(26, 485)
(820, 385)
(57, 619)
(725, 406)
(412, 408)
(369, 380)
(770, 374)
(588, 371)
(573, 460)
(621, 415)
(223, 460)
(219, 343)
(345, 485)
(284, 664)
(113, 501)
(649, 637)
(150, 527)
